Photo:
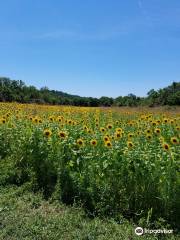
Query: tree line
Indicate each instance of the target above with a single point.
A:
(18, 91)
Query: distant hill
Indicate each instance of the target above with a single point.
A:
(17, 90)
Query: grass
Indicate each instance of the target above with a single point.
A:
(27, 216)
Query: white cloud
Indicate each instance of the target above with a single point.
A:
(144, 12)
(82, 35)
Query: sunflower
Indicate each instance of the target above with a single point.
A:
(130, 135)
(93, 142)
(106, 138)
(51, 118)
(149, 136)
(174, 140)
(90, 131)
(3, 120)
(47, 132)
(59, 119)
(148, 131)
(12, 125)
(85, 128)
(69, 122)
(130, 144)
(165, 120)
(118, 135)
(62, 135)
(108, 144)
(36, 120)
(109, 126)
(157, 130)
(118, 129)
(165, 146)
(80, 142)
(102, 129)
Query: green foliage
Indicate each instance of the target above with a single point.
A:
(166, 96)
(139, 182)
(111, 185)
(12, 90)
(24, 215)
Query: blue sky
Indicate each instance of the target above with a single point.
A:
(92, 47)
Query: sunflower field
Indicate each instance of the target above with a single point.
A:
(112, 161)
